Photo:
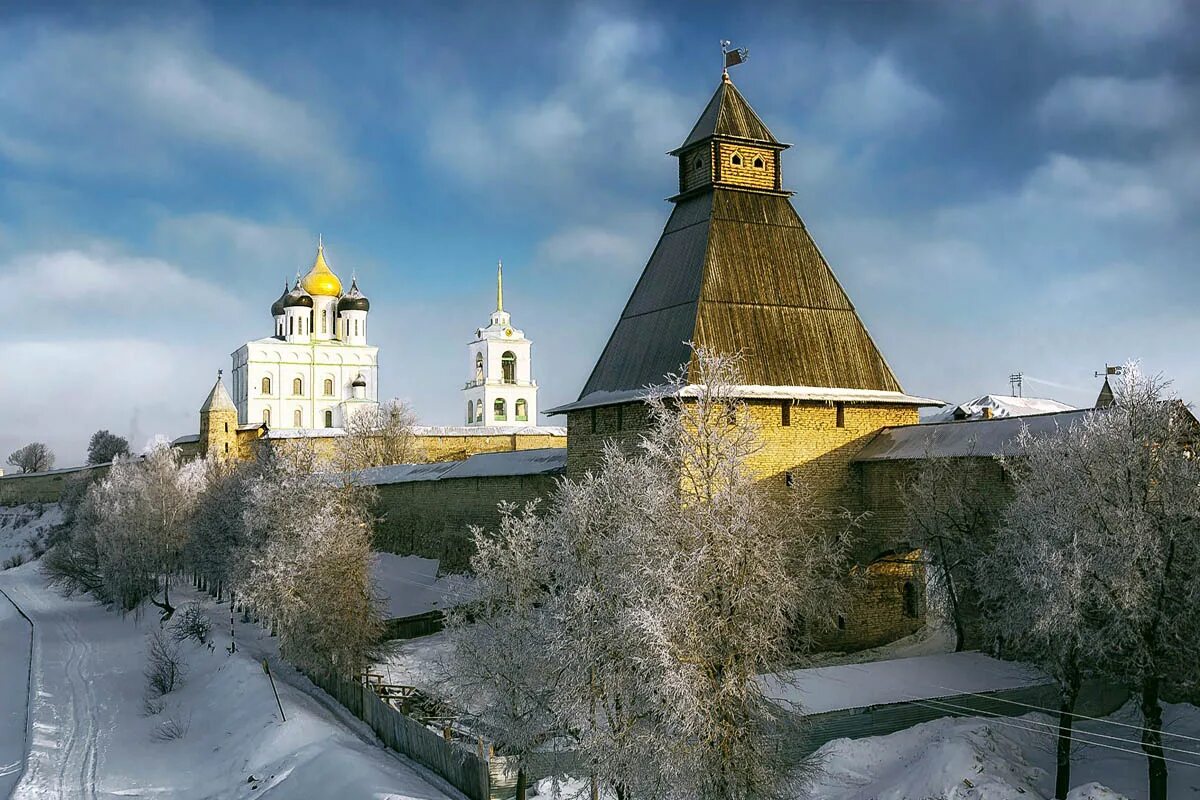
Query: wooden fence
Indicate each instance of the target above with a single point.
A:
(465, 770)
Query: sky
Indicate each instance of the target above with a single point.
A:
(1000, 187)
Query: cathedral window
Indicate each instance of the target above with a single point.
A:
(291, 325)
(266, 416)
(328, 418)
(522, 411)
(329, 387)
(508, 366)
(501, 413)
(324, 320)
(298, 418)
(470, 411)
(266, 385)
(356, 327)
(298, 387)
(479, 411)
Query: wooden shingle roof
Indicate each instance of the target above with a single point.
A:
(729, 115)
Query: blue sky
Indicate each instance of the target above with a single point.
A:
(1000, 186)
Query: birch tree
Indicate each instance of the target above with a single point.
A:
(377, 437)
(651, 596)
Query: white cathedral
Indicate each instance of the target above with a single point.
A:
(317, 370)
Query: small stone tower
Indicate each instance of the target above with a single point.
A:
(218, 423)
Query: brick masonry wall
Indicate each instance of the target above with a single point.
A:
(432, 519)
(696, 168)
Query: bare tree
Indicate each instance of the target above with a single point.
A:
(950, 515)
(643, 606)
(33, 457)
(377, 437)
(105, 446)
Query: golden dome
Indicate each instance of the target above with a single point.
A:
(320, 279)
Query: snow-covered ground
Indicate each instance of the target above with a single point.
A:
(92, 737)
(14, 691)
(1002, 759)
(22, 523)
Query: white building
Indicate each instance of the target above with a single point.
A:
(317, 370)
(501, 391)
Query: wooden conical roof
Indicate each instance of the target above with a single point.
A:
(735, 270)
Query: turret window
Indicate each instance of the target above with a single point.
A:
(356, 327)
(522, 410)
(758, 163)
(329, 387)
(298, 418)
(736, 160)
(298, 387)
(328, 418)
(324, 320)
(266, 385)
(500, 411)
(508, 366)
(291, 325)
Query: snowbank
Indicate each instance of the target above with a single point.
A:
(19, 524)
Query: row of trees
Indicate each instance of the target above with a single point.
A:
(629, 621)
(1090, 566)
(103, 447)
(275, 538)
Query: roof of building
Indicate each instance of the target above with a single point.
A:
(994, 405)
(728, 114)
(545, 461)
(218, 399)
(819, 394)
(430, 430)
(980, 438)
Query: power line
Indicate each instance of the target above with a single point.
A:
(1072, 714)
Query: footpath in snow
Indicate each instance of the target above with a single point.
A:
(15, 653)
(92, 737)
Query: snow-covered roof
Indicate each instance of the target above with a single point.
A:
(544, 461)
(821, 394)
(902, 680)
(191, 438)
(411, 585)
(980, 437)
(429, 430)
(997, 406)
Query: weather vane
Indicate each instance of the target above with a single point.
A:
(731, 57)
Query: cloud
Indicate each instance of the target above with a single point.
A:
(1101, 188)
(150, 98)
(238, 245)
(619, 246)
(879, 99)
(1079, 102)
(1097, 25)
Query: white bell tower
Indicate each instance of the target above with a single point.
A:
(501, 390)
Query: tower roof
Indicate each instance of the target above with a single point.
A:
(729, 115)
(736, 270)
(218, 399)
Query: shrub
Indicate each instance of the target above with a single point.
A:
(164, 665)
(171, 728)
(14, 561)
(191, 623)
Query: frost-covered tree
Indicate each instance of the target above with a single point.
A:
(1097, 568)
(377, 437)
(949, 515)
(305, 565)
(218, 524)
(33, 457)
(647, 601)
(105, 446)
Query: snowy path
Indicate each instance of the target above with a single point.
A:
(91, 737)
(14, 692)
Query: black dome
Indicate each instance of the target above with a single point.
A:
(278, 306)
(354, 300)
(298, 297)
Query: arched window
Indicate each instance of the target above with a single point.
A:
(500, 413)
(298, 387)
(266, 416)
(298, 418)
(521, 411)
(328, 418)
(479, 367)
(479, 411)
(356, 327)
(329, 387)
(910, 600)
(266, 385)
(508, 366)
(291, 325)
(324, 320)
(470, 411)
